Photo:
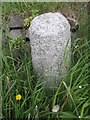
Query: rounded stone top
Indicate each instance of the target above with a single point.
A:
(50, 24)
(16, 21)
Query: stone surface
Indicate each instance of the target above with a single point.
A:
(16, 21)
(14, 33)
(49, 34)
(27, 34)
(3, 38)
(73, 36)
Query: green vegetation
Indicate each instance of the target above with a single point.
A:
(73, 93)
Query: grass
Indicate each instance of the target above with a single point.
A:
(18, 77)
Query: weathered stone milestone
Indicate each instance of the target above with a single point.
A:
(49, 33)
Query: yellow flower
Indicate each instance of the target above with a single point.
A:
(18, 97)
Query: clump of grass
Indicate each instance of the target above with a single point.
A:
(72, 95)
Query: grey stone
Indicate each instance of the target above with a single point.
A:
(27, 33)
(15, 33)
(49, 34)
(15, 22)
(3, 39)
(73, 36)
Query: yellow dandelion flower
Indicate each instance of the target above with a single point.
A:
(18, 97)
